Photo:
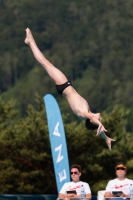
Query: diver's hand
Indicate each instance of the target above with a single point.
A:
(108, 142)
(100, 129)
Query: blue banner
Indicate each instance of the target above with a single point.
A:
(57, 141)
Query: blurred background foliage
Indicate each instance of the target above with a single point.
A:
(92, 43)
(25, 156)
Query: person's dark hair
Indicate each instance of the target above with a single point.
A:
(89, 125)
(76, 166)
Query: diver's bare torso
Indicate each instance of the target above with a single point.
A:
(77, 103)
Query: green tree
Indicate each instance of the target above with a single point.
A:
(26, 164)
(25, 155)
(91, 48)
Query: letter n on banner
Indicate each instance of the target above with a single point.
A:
(57, 141)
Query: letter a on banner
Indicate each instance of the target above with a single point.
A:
(57, 141)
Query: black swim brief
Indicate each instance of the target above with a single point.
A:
(61, 88)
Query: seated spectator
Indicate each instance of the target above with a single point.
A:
(121, 183)
(75, 184)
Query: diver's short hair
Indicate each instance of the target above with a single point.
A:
(90, 126)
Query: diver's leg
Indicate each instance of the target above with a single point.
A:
(58, 77)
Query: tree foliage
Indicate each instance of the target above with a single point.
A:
(25, 152)
(91, 42)
(25, 156)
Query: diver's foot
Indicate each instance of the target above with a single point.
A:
(29, 38)
(108, 142)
